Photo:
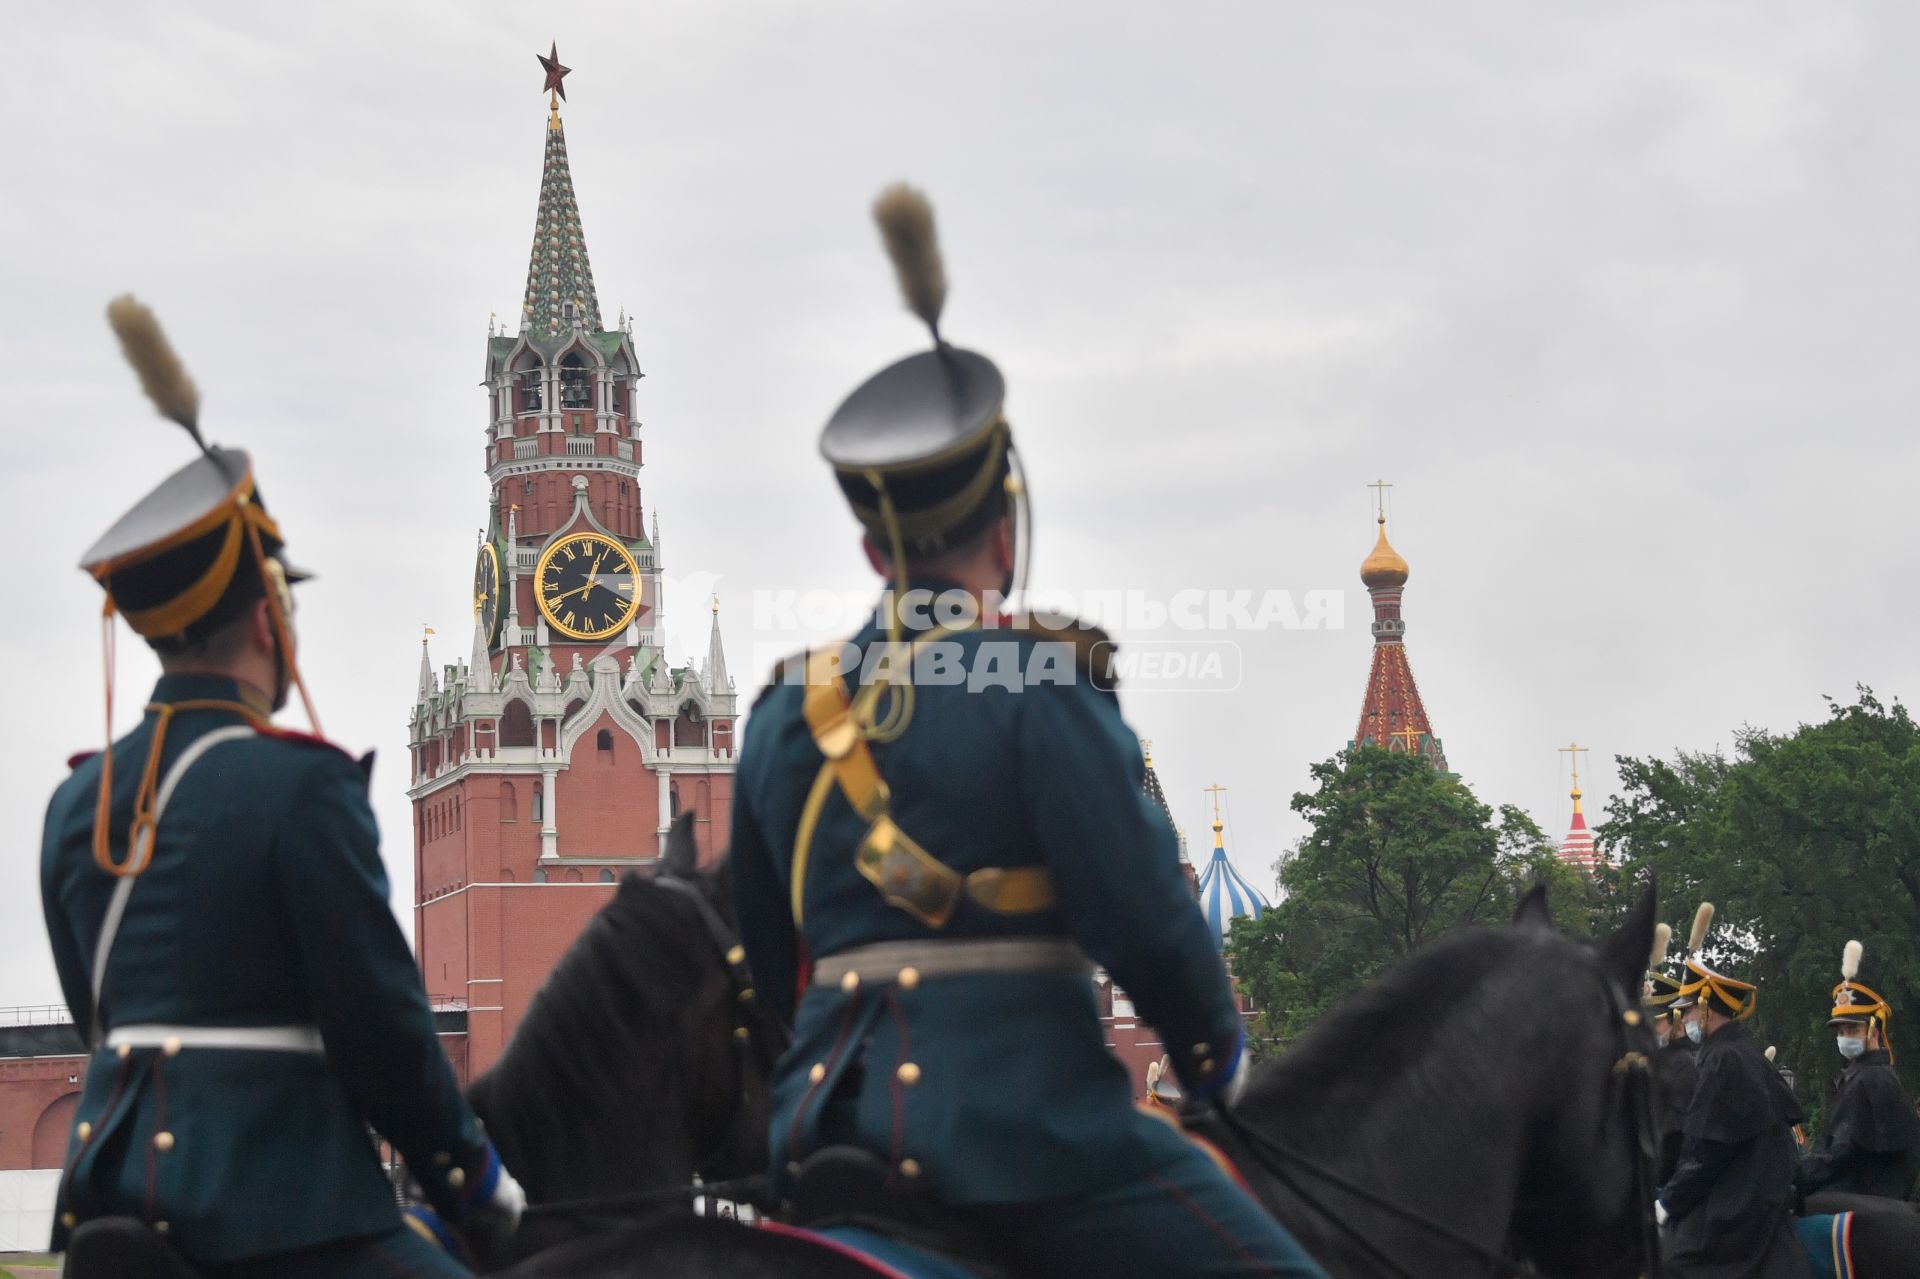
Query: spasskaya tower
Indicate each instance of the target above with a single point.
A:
(553, 759)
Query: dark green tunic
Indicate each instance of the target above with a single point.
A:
(265, 905)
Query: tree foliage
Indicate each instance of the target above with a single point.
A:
(1396, 855)
(1801, 841)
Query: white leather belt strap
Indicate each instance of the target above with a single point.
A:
(117, 907)
(888, 962)
(277, 1039)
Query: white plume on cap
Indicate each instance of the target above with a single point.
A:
(1850, 960)
(1770, 1051)
(1702, 921)
(1662, 938)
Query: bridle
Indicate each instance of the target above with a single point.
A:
(1631, 1072)
(758, 1038)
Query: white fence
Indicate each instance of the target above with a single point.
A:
(26, 1208)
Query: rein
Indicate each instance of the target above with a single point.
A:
(1629, 1063)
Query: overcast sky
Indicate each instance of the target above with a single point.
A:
(1620, 298)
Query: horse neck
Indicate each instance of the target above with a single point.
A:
(1445, 1137)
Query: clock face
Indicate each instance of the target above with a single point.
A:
(486, 591)
(588, 586)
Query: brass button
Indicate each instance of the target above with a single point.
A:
(909, 1167)
(1631, 1016)
(741, 1034)
(85, 1130)
(1206, 1065)
(163, 1141)
(1201, 1050)
(909, 978)
(68, 1220)
(746, 995)
(738, 955)
(457, 1178)
(850, 983)
(172, 1047)
(441, 1159)
(793, 1168)
(818, 1072)
(161, 1227)
(908, 1074)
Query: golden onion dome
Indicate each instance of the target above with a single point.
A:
(1384, 567)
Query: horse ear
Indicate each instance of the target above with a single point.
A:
(682, 860)
(1624, 955)
(1533, 915)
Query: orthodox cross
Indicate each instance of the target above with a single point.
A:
(1216, 791)
(1574, 753)
(1380, 488)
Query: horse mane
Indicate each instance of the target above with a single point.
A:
(1387, 1029)
(642, 957)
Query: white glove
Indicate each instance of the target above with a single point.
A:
(502, 1212)
(1659, 1213)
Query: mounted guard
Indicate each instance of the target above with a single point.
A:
(939, 827)
(1869, 1145)
(219, 917)
(1730, 1200)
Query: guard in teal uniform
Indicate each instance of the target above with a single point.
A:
(939, 828)
(218, 912)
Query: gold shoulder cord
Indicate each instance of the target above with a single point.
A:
(907, 875)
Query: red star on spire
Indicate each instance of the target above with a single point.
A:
(555, 72)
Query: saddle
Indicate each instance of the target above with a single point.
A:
(846, 1186)
(123, 1248)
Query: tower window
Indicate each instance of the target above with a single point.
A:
(576, 383)
(530, 390)
(605, 742)
(540, 804)
(606, 877)
(540, 875)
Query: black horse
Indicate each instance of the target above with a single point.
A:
(1479, 1101)
(1475, 1088)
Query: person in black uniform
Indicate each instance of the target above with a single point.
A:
(939, 827)
(1869, 1145)
(1729, 1202)
(1677, 1067)
(218, 913)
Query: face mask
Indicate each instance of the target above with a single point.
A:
(1851, 1047)
(1695, 1031)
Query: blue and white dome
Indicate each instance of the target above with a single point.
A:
(1224, 894)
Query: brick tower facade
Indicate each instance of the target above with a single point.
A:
(554, 757)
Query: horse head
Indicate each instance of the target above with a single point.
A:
(1585, 1200)
(638, 1064)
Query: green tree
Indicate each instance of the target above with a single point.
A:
(1802, 841)
(1397, 854)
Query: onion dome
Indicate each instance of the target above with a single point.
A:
(1383, 568)
(1224, 894)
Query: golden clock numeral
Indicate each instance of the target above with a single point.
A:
(570, 622)
(624, 587)
(568, 549)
